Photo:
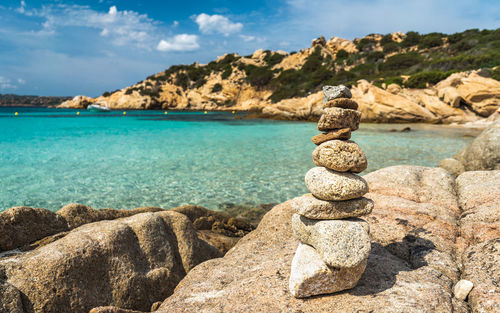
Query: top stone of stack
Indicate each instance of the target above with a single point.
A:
(334, 92)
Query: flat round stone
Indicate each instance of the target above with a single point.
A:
(343, 103)
(340, 243)
(342, 133)
(327, 184)
(314, 208)
(310, 276)
(341, 156)
(334, 118)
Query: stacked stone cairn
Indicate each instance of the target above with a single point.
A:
(334, 242)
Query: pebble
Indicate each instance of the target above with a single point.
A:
(310, 276)
(314, 208)
(340, 243)
(327, 184)
(334, 92)
(462, 289)
(342, 133)
(343, 103)
(341, 156)
(334, 118)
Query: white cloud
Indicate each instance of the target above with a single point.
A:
(181, 42)
(216, 23)
(121, 27)
(175, 24)
(112, 10)
(6, 83)
(247, 38)
(21, 81)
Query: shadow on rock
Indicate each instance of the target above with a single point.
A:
(384, 265)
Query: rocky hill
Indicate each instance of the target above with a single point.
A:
(30, 101)
(395, 78)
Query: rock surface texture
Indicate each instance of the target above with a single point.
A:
(415, 261)
(130, 262)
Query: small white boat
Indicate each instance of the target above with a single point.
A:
(98, 108)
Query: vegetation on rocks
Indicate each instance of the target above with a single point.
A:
(255, 82)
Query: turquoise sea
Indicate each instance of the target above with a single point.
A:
(52, 157)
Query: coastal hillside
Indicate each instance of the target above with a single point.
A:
(30, 101)
(412, 77)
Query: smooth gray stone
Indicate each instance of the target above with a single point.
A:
(310, 276)
(327, 184)
(334, 92)
(340, 243)
(314, 208)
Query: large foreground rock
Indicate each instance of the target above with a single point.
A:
(411, 267)
(479, 199)
(130, 263)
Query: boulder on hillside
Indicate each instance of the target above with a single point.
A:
(131, 263)
(484, 152)
(22, 225)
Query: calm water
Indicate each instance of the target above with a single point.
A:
(51, 157)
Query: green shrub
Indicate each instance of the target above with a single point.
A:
(394, 80)
(455, 38)
(227, 72)
(129, 91)
(313, 62)
(401, 61)
(431, 40)
(217, 87)
(390, 47)
(258, 76)
(386, 39)
(272, 59)
(365, 69)
(319, 76)
(182, 80)
(229, 58)
(342, 77)
(462, 45)
(420, 80)
(342, 54)
(495, 74)
(412, 39)
(199, 83)
(374, 56)
(365, 44)
(106, 94)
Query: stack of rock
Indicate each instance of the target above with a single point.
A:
(334, 243)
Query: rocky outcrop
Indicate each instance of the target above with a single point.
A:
(484, 152)
(130, 263)
(219, 229)
(413, 234)
(22, 225)
(461, 98)
(78, 214)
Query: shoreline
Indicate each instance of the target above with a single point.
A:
(252, 114)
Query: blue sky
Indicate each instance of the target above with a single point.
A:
(57, 47)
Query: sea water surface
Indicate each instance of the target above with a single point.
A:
(52, 157)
